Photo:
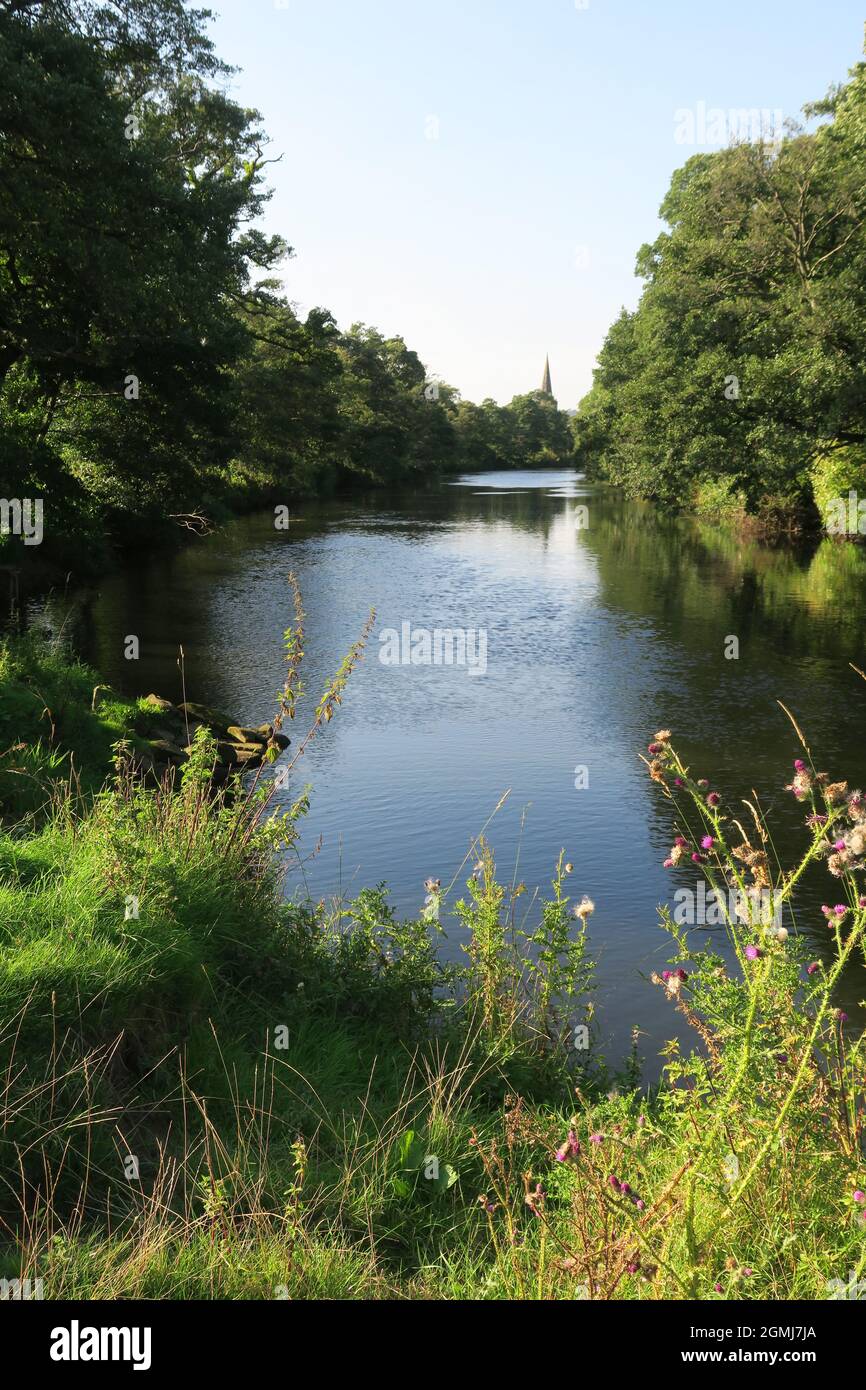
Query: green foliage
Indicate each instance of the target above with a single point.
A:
(834, 475)
(745, 358)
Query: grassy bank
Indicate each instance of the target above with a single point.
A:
(210, 1092)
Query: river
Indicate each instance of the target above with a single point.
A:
(596, 636)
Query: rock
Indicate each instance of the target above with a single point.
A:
(242, 735)
(221, 723)
(235, 754)
(158, 702)
(164, 751)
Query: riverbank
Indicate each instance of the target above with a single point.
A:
(219, 1094)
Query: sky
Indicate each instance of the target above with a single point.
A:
(478, 175)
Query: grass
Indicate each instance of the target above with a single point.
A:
(209, 1092)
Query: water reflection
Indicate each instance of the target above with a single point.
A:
(596, 636)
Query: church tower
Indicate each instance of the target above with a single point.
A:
(545, 380)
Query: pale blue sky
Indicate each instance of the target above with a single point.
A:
(513, 231)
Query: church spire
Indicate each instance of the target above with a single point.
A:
(545, 380)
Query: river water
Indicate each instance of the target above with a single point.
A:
(596, 635)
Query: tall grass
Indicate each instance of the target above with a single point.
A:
(208, 1091)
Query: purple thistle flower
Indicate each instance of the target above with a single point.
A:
(860, 1196)
(707, 842)
(596, 1138)
(753, 953)
(714, 799)
(810, 969)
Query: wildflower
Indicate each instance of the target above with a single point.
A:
(535, 1199)
(681, 842)
(861, 902)
(840, 909)
(718, 1288)
(753, 953)
(801, 783)
(641, 1119)
(641, 1206)
(699, 858)
(782, 1058)
(584, 908)
(678, 782)
(596, 1139)
(841, 1016)
(663, 736)
(860, 1197)
(816, 820)
(624, 1189)
(836, 793)
(570, 1149)
(569, 868)
(746, 1272)
(811, 969)
(668, 864)
(654, 748)
(703, 783)
(614, 1182)
(799, 765)
(707, 842)
(633, 1265)
(672, 980)
(714, 799)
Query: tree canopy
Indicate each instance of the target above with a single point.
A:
(149, 363)
(744, 364)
